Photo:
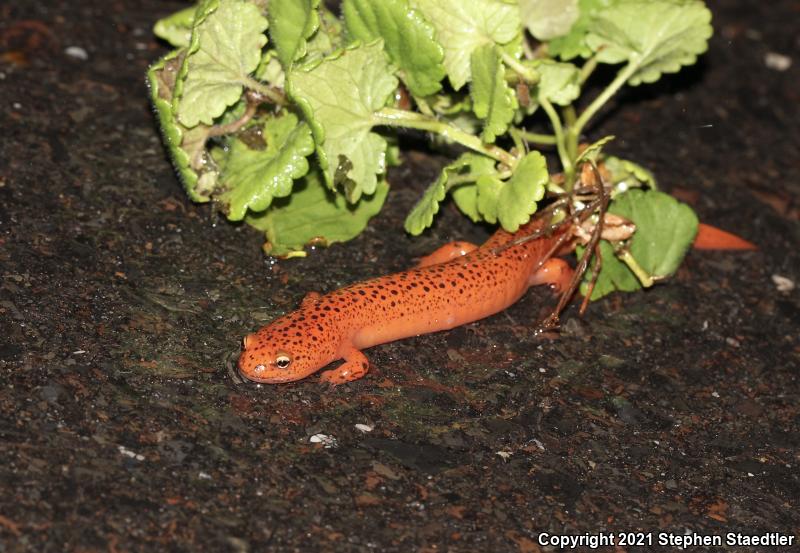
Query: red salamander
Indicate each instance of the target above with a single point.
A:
(457, 284)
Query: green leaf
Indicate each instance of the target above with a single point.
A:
(225, 48)
(593, 150)
(466, 169)
(407, 38)
(665, 229)
(512, 202)
(492, 99)
(573, 43)
(253, 177)
(328, 38)
(466, 199)
(270, 70)
(340, 111)
(314, 214)
(559, 83)
(655, 36)
(614, 275)
(186, 147)
(176, 28)
(292, 22)
(547, 19)
(462, 26)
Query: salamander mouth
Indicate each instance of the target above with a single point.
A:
(268, 380)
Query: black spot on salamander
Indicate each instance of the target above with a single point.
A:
(426, 288)
(364, 365)
(394, 292)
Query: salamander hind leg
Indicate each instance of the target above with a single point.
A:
(555, 271)
(355, 366)
(446, 253)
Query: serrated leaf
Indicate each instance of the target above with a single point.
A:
(462, 26)
(176, 28)
(665, 229)
(186, 147)
(407, 38)
(328, 38)
(314, 214)
(547, 19)
(558, 82)
(466, 169)
(225, 48)
(338, 98)
(655, 36)
(492, 99)
(253, 177)
(513, 202)
(573, 44)
(292, 22)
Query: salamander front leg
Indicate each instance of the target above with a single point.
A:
(355, 366)
(446, 253)
(555, 271)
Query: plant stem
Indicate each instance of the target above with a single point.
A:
(392, 117)
(234, 126)
(566, 161)
(621, 78)
(272, 94)
(529, 75)
(644, 277)
(588, 68)
(519, 145)
(537, 138)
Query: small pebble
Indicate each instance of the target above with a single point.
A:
(77, 52)
(324, 439)
(504, 454)
(782, 283)
(777, 61)
(364, 428)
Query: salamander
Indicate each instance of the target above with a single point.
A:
(457, 284)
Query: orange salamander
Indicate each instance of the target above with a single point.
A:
(457, 284)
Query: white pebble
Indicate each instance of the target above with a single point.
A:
(364, 428)
(77, 52)
(504, 454)
(782, 283)
(777, 61)
(327, 441)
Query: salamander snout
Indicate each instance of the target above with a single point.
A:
(268, 357)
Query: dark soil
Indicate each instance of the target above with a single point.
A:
(121, 429)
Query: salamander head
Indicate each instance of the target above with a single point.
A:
(281, 353)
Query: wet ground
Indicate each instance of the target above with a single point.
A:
(121, 429)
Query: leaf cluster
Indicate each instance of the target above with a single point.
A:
(286, 114)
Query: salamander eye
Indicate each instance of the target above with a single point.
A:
(283, 361)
